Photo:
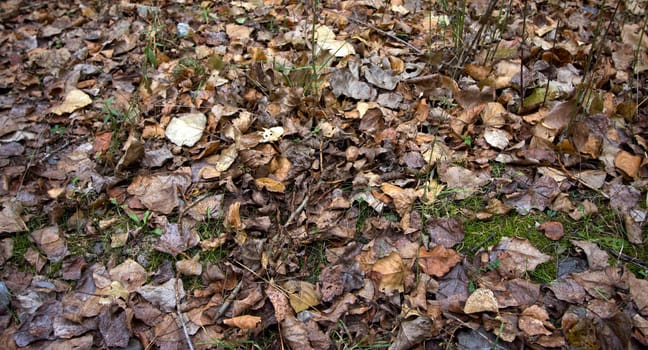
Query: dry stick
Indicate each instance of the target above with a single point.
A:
(627, 258)
(389, 35)
(180, 317)
(228, 301)
(463, 323)
(297, 211)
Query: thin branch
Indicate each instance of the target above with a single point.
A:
(180, 317)
(297, 211)
(228, 300)
(389, 35)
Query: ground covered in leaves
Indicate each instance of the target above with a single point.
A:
(276, 174)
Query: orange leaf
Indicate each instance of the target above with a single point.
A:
(243, 322)
(269, 184)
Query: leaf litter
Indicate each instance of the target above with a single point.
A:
(216, 174)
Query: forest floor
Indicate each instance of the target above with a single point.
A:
(273, 174)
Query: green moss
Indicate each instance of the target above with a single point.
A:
(21, 242)
(604, 228)
(314, 260)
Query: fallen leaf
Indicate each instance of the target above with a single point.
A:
(270, 184)
(628, 163)
(131, 274)
(597, 259)
(165, 296)
(552, 230)
(74, 99)
(10, 220)
(438, 261)
(243, 322)
(280, 303)
(325, 39)
(186, 129)
(302, 294)
(190, 267)
(481, 300)
(413, 331)
(532, 321)
(390, 273)
(517, 256)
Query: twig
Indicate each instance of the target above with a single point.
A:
(297, 211)
(180, 317)
(627, 258)
(389, 35)
(228, 300)
(51, 153)
(187, 207)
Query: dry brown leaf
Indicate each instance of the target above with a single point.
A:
(279, 302)
(628, 163)
(10, 220)
(131, 274)
(233, 217)
(390, 273)
(597, 259)
(517, 256)
(190, 267)
(532, 321)
(438, 261)
(552, 230)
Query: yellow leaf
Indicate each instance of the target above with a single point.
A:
(303, 295)
(117, 290)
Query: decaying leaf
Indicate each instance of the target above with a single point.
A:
(481, 300)
(10, 220)
(517, 256)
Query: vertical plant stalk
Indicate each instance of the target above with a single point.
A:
(635, 60)
(597, 47)
(313, 80)
(522, 45)
(483, 20)
(553, 46)
(497, 32)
